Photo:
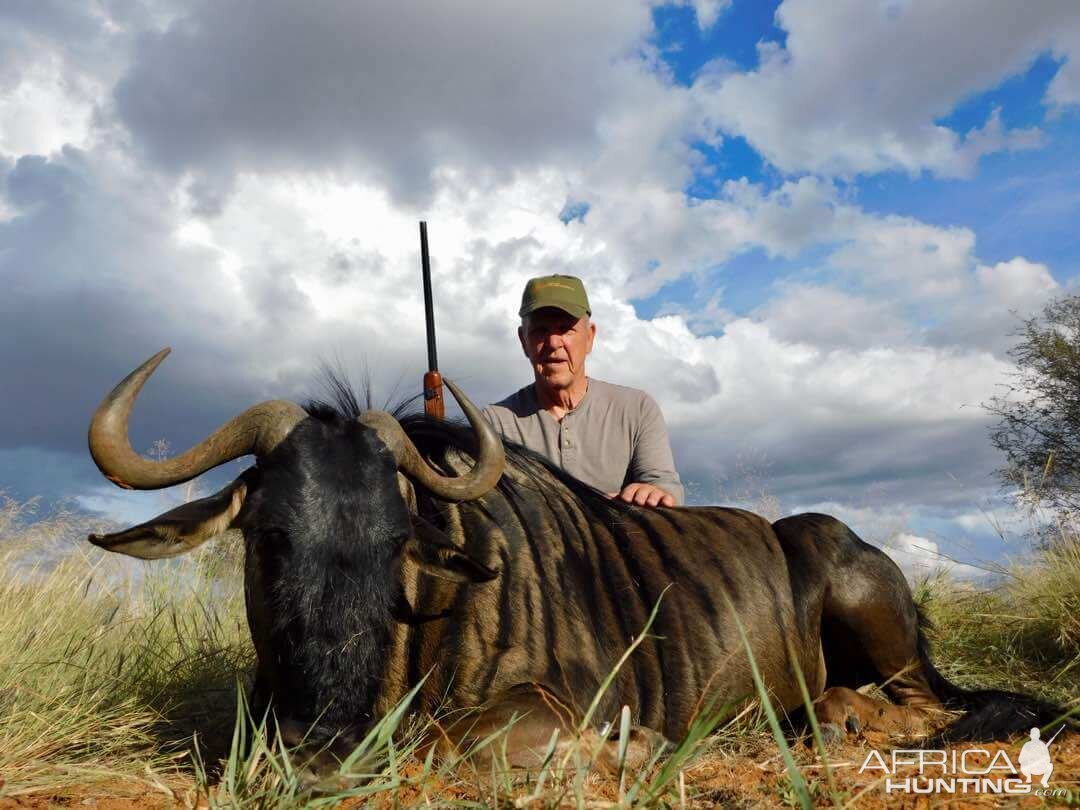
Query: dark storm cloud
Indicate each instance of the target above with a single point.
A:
(385, 88)
(345, 267)
(80, 36)
(93, 286)
(883, 465)
(23, 21)
(273, 292)
(73, 24)
(95, 281)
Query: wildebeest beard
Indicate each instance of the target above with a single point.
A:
(327, 524)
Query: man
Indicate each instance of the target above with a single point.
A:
(606, 435)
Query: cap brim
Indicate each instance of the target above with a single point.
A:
(570, 309)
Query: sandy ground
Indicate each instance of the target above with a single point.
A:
(756, 779)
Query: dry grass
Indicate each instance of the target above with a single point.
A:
(1021, 633)
(120, 679)
(106, 668)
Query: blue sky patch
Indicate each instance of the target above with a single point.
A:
(732, 160)
(734, 37)
(1019, 98)
(1019, 204)
(573, 210)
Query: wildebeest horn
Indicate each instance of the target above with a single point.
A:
(257, 430)
(490, 457)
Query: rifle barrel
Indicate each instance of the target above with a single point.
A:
(433, 386)
(429, 311)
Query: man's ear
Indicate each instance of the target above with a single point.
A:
(180, 529)
(592, 336)
(436, 554)
(521, 339)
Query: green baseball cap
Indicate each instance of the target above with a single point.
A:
(564, 292)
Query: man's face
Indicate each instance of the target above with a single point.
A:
(556, 344)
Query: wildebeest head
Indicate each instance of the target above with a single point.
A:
(325, 528)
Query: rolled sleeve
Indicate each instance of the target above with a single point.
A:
(652, 461)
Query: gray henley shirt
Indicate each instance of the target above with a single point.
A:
(615, 436)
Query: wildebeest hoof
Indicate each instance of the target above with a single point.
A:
(851, 723)
(831, 734)
(643, 743)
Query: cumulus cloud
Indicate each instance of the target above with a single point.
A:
(899, 254)
(831, 102)
(388, 90)
(37, 114)
(831, 318)
(709, 11)
(660, 236)
(889, 528)
(1018, 283)
(92, 274)
(1064, 88)
(991, 311)
(993, 137)
(245, 187)
(57, 63)
(921, 557)
(287, 274)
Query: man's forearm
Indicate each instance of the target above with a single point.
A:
(653, 462)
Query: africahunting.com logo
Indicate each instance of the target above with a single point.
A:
(970, 770)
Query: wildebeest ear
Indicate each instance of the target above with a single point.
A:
(180, 529)
(437, 555)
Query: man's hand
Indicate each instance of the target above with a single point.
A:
(645, 495)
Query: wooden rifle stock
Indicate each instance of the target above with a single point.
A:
(433, 395)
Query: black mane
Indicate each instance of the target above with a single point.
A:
(347, 403)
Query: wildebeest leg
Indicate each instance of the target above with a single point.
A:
(869, 628)
(531, 713)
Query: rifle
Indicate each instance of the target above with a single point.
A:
(433, 385)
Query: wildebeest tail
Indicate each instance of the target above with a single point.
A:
(989, 714)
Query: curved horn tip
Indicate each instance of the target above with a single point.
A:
(459, 395)
(154, 361)
(143, 371)
(257, 430)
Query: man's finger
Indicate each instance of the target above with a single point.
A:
(667, 500)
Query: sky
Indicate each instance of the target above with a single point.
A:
(807, 229)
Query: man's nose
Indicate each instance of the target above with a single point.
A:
(555, 340)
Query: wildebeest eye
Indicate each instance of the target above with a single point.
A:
(274, 538)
